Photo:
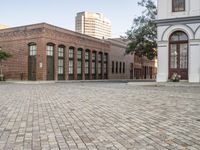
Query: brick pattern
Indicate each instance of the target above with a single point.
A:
(16, 40)
(107, 116)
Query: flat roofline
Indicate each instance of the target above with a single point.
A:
(50, 26)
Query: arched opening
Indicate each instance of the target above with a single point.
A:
(94, 65)
(71, 63)
(61, 62)
(32, 52)
(79, 63)
(100, 65)
(50, 61)
(178, 54)
(87, 64)
(105, 66)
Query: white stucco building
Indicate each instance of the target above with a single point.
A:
(178, 39)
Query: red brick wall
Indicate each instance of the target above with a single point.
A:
(16, 40)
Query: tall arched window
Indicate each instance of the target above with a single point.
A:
(94, 58)
(32, 61)
(61, 62)
(178, 54)
(50, 61)
(71, 63)
(79, 63)
(87, 64)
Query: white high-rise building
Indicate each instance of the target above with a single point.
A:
(178, 24)
(3, 26)
(93, 24)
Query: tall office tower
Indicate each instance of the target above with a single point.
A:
(93, 24)
(3, 26)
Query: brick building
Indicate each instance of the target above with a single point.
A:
(121, 64)
(144, 68)
(46, 52)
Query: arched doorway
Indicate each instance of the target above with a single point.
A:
(32, 61)
(178, 54)
(50, 61)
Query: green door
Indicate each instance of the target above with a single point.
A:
(50, 68)
(32, 68)
(50, 62)
(32, 62)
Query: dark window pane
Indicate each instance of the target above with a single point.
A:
(179, 36)
(178, 5)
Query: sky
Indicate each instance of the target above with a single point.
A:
(62, 12)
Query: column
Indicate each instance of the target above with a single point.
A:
(194, 62)
(163, 60)
(41, 60)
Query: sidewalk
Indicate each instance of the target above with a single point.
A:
(166, 84)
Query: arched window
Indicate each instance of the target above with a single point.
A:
(32, 52)
(61, 62)
(94, 58)
(178, 36)
(87, 64)
(71, 63)
(50, 60)
(32, 49)
(100, 65)
(79, 63)
(178, 54)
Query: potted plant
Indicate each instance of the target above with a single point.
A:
(175, 77)
(3, 56)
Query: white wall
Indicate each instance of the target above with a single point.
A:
(165, 9)
(193, 32)
(194, 61)
(162, 75)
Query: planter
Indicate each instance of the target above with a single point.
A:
(175, 77)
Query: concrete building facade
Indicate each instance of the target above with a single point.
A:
(93, 24)
(179, 39)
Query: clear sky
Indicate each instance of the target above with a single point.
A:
(62, 12)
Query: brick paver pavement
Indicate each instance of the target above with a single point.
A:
(104, 116)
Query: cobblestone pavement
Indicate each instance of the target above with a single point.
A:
(104, 116)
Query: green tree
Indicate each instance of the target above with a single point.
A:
(143, 33)
(3, 56)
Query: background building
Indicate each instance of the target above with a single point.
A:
(179, 39)
(121, 65)
(144, 68)
(46, 52)
(3, 26)
(93, 24)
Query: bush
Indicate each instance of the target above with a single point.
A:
(175, 77)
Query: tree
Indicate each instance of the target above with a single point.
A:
(143, 33)
(3, 56)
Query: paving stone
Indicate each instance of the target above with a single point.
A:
(99, 116)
